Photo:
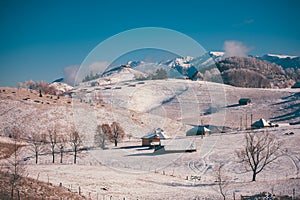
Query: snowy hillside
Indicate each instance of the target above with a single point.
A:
(61, 87)
(173, 105)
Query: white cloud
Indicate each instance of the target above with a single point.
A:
(235, 48)
(244, 23)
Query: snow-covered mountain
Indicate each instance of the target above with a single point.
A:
(133, 64)
(286, 61)
(208, 67)
(217, 53)
(184, 62)
(280, 56)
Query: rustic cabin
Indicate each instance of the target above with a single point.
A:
(244, 101)
(153, 138)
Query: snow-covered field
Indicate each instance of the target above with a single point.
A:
(138, 173)
(134, 172)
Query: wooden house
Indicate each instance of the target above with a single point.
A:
(153, 138)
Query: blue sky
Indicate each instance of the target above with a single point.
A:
(40, 38)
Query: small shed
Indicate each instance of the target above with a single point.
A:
(261, 123)
(198, 130)
(296, 85)
(154, 137)
(244, 101)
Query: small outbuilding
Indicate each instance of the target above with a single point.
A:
(296, 85)
(261, 123)
(244, 101)
(198, 130)
(154, 137)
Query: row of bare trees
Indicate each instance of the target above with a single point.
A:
(52, 139)
(113, 133)
(41, 86)
(15, 168)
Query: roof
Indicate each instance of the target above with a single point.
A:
(244, 100)
(159, 132)
(261, 123)
(296, 85)
(198, 130)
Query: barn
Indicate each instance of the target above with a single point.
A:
(261, 123)
(198, 130)
(154, 137)
(296, 85)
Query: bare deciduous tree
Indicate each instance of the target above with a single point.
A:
(16, 167)
(20, 85)
(260, 150)
(102, 133)
(41, 86)
(37, 142)
(98, 99)
(62, 142)
(53, 140)
(75, 141)
(117, 133)
(221, 180)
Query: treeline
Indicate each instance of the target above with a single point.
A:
(91, 76)
(251, 72)
(40, 86)
(158, 74)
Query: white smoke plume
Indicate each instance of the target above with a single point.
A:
(70, 73)
(98, 67)
(73, 72)
(235, 48)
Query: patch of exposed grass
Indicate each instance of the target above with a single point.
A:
(32, 189)
(6, 150)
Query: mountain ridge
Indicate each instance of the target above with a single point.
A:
(270, 70)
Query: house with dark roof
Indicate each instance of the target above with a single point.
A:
(244, 101)
(296, 85)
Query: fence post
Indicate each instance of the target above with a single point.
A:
(294, 194)
(241, 123)
(246, 122)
